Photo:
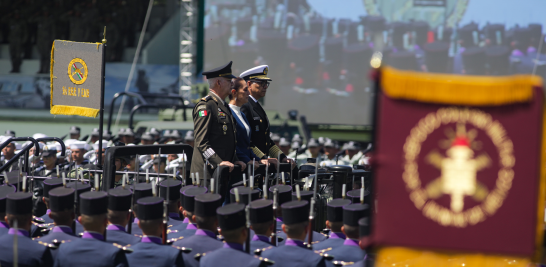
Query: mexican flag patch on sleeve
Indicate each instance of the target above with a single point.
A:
(203, 113)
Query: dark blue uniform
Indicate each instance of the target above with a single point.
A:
(174, 219)
(334, 240)
(61, 234)
(317, 237)
(90, 249)
(180, 226)
(4, 228)
(202, 241)
(231, 254)
(45, 219)
(179, 234)
(259, 242)
(116, 234)
(135, 230)
(150, 252)
(293, 253)
(29, 252)
(349, 251)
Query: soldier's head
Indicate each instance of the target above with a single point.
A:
(78, 149)
(187, 200)
(296, 219)
(172, 157)
(48, 185)
(170, 190)
(205, 211)
(334, 214)
(75, 132)
(150, 215)
(19, 209)
(159, 164)
(239, 92)
(61, 204)
(9, 150)
(50, 158)
(330, 148)
(351, 214)
(314, 148)
(232, 220)
(351, 148)
(93, 208)
(284, 195)
(119, 203)
(220, 85)
(257, 80)
(4, 192)
(121, 163)
(261, 214)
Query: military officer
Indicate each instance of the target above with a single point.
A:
(334, 222)
(74, 132)
(261, 222)
(141, 190)
(353, 153)
(350, 250)
(204, 239)
(214, 126)
(48, 185)
(312, 151)
(187, 201)
(4, 191)
(146, 139)
(61, 212)
(294, 252)
(49, 157)
(232, 222)
(91, 247)
(119, 203)
(80, 188)
(19, 218)
(263, 146)
(9, 152)
(284, 195)
(173, 186)
(150, 251)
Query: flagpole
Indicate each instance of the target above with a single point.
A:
(101, 113)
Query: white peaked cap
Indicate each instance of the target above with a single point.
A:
(78, 145)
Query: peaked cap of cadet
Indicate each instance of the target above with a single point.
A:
(206, 204)
(231, 216)
(4, 191)
(119, 199)
(142, 190)
(222, 71)
(19, 203)
(187, 197)
(173, 186)
(284, 194)
(50, 184)
(261, 211)
(94, 203)
(150, 208)
(256, 73)
(61, 199)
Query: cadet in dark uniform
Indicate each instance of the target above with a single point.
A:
(232, 222)
(4, 191)
(334, 222)
(91, 248)
(364, 230)
(294, 252)
(29, 253)
(214, 126)
(187, 199)
(141, 190)
(150, 251)
(61, 207)
(262, 145)
(80, 189)
(119, 203)
(261, 221)
(204, 239)
(174, 199)
(48, 185)
(350, 251)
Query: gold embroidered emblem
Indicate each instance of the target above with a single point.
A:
(77, 71)
(460, 167)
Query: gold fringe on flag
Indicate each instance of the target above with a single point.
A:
(71, 110)
(458, 89)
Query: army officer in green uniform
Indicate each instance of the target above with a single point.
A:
(214, 126)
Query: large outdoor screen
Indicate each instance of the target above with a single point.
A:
(319, 51)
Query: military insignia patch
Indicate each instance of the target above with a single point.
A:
(203, 113)
(77, 71)
(221, 114)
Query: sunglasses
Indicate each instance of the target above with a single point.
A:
(263, 84)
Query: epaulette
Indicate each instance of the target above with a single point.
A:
(183, 249)
(51, 246)
(37, 219)
(323, 250)
(325, 256)
(260, 250)
(171, 231)
(123, 248)
(198, 256)
(174, 239)
(342, 263)
(139, 236)
(265, 260)
(206, 98)
(57, 242)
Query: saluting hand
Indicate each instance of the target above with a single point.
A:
(229, 164)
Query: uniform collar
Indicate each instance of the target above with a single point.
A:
(62, 229)
(4, 225)
(263, 238)
(255, 100)
(115, 227)
(294, 242)
(92, 235)
(350, 242)
(19, 232)
(191, 226)
(151, 239)
(204, 232)
(337, 235)
(236, 246)
(186, 220)
(213, 94)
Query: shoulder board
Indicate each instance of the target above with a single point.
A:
(206, 98)
(265, 260)
(51, 246)
(169, 231)
(38, 219)
(315, 242)
(172, 240)
(323, 250)
(198, 256)
(183, 249)
(123, 248)
(260, 250)
(342, 263)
